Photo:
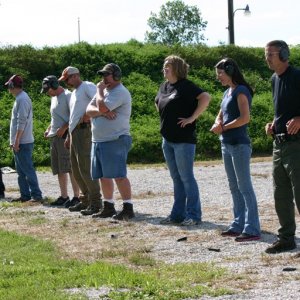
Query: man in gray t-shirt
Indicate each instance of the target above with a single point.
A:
(110, 111)
(80, 142)
(21, 141)
(57, 132)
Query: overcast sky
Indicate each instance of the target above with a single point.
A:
(55, 22)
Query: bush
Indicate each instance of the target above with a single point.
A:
(141, 65)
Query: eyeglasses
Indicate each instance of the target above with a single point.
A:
(270, 54)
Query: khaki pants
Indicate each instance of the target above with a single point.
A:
(81, 142)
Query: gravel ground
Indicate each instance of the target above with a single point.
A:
(262, 275)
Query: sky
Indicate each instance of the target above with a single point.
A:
(55, 22)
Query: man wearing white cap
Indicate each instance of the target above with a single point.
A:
(80, 141)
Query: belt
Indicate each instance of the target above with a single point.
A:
(285, 137)
(83, 125)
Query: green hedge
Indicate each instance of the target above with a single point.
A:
(141, 66)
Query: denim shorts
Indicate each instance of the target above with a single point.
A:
(108, 159)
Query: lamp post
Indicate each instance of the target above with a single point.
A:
(231, 13)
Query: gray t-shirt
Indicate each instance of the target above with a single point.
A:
(21, 119)
(60, 111)
(119, 100)
(80, 99)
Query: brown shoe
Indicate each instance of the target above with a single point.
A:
(107, 212)
(78, 207)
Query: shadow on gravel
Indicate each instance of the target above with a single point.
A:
(148, 218)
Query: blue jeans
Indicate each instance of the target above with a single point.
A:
(180, 161)
(27, 179)
(237, 165)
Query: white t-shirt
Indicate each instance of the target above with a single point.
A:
(80, 99)
(118, 100)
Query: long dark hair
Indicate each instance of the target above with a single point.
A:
(232, 69)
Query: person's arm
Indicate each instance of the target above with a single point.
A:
(61, 131)
(93, 112)
(47, 131)
(293, 125)
(217, 127)
(244, 117)
(16, 145)
(100, 98)
(269, 128)
(203, 101)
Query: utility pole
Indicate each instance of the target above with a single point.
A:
(78, 30)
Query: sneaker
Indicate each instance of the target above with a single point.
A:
(230, 233)
(126, 213)
(60, 201)
(2, 195)
(245, 237)
(107, 212)
(189, 222)
(78, 207)
(167, 221)
(73, 202)
(281, 246)
(90, 210)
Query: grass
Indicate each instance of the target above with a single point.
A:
(33, 269)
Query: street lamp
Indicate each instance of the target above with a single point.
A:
(231, 13)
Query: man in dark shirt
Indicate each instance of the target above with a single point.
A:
(285, 130)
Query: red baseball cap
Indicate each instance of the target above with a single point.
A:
(14, 81)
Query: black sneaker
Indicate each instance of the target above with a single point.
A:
(59, 201)
(245, 237)
(281, 246)
(73, 202)
(90, 210)
(230, 233)
(78, 207)
(107, 212)
(126, 213)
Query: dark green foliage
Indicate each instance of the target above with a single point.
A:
(141, 65)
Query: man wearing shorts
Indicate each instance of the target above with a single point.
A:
(110, 111)
(57, 132)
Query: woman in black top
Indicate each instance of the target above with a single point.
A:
(180, 102)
